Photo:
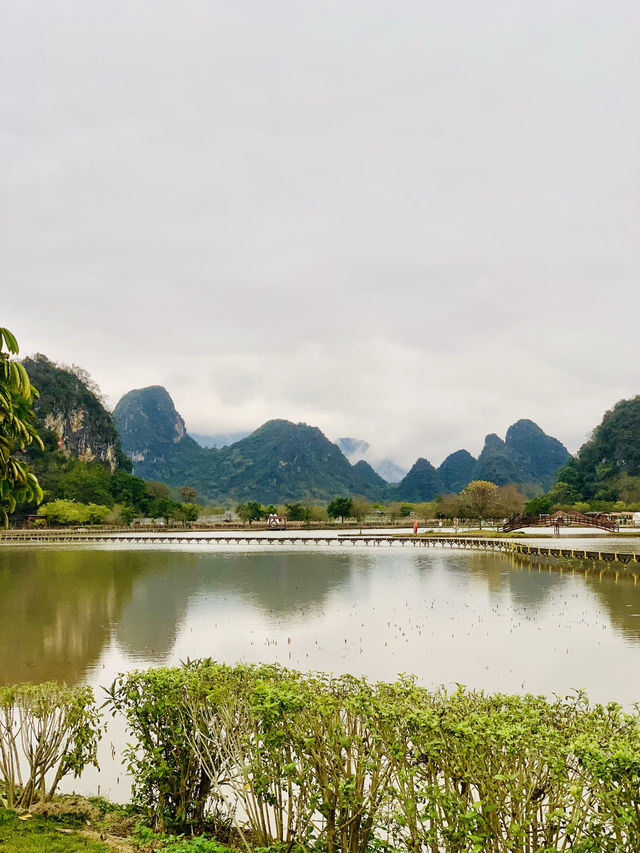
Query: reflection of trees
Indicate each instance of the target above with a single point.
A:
(531, 585)
(279, 584)
(56, 610)
(282, 583)
(622, 600)
(527, 586)
(59, 608)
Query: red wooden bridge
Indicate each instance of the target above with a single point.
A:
(560, 519)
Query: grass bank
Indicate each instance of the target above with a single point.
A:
(72, 824)
(37, 834)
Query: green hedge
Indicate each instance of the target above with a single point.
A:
(345, 765)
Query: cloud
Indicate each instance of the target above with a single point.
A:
(411, 224)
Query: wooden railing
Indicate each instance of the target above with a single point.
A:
(559, 519)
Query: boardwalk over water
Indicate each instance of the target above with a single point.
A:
(506, 546)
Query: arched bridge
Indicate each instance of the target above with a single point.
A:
(560, 519)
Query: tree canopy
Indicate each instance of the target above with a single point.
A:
(17, 430)
(608, 465)
(340, 508)
(480, 500)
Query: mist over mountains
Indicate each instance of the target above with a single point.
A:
(222, 439)
(356, 449)
(283, 461)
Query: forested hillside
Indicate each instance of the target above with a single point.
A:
(607, 467)
(82, 470)
(528, 457)
(280, 461)
(283, 461)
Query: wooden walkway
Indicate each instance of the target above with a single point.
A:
(461, 542)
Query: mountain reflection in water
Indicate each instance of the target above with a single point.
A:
(484, 619)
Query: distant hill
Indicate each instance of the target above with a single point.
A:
(498, 464)
(456, 471)
(607, 467)
(538, 454)
(422, 483)
(82, 458)
(367, 480)
(280, 461)
(527, 457)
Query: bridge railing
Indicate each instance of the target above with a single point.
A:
(564, 519)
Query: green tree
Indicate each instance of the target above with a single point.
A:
(449, 506)
(393, 510)
(130, 490)
(316, 512)
(86, 482)
(406, 510)
(297, 512)
(480, 500)
(188, 494)
(340, 508)
(71, 512)
(17, 430)
(157, 489)
(127, 514)
(187, 512)
(251, 511)
(540, 505)
(425, 509)
(360, 509)
(563, 494)
(510, 500)
(164, 508)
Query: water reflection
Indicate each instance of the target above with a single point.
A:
(282, 586)
(622, 605)
(484, 619)
(526, 585)
(57, 609)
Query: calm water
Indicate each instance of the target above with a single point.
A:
(83, 614)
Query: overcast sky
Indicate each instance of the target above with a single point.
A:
(409, 222)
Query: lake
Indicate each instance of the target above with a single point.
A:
(83, 614)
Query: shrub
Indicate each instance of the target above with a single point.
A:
(309, 760)
(44, 729)
(70, 512)
(171, 783)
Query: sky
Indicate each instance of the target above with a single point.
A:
(409, 222)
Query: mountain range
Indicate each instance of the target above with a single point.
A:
(355, 449)
(283, 461)
(286, 461)
(527, 456)
(280, 461)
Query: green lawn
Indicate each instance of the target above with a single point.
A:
(36, 835)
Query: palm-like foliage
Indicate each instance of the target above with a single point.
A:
(17, 430)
